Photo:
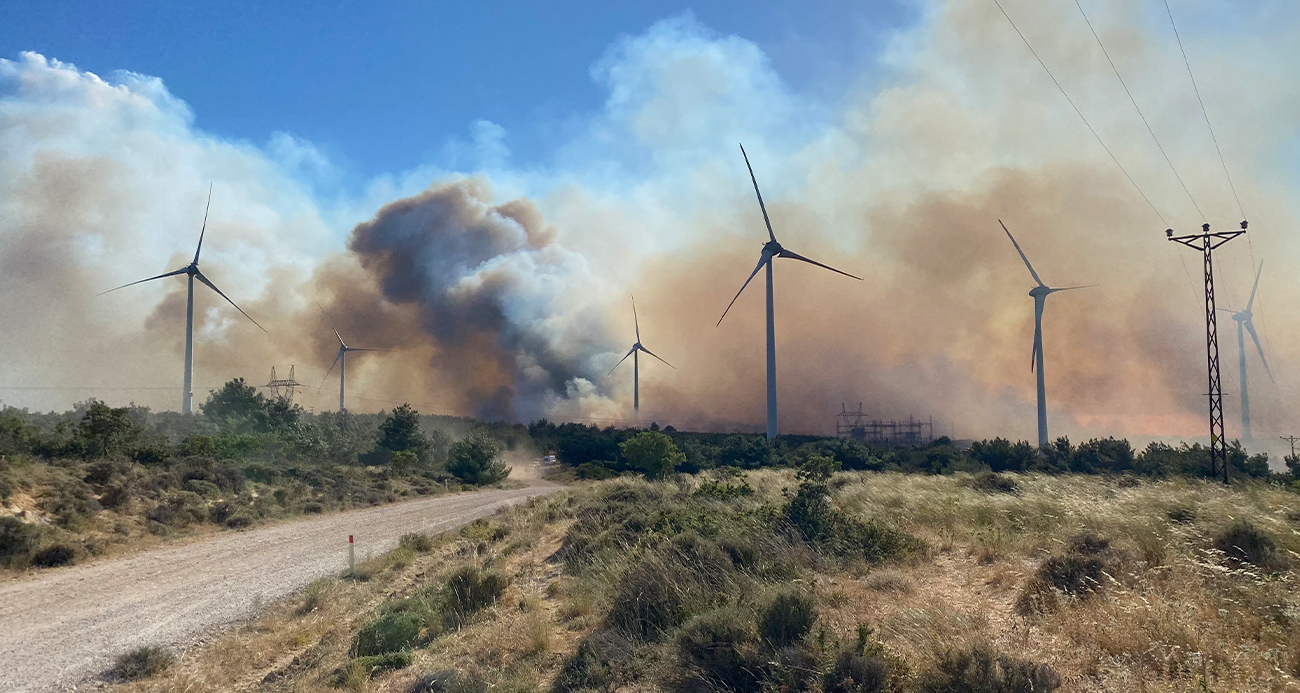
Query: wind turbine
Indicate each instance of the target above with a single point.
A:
(636, 361)
(341, 360)
(1244, 320)
(192, 271)
(1040, 294)
(771, 250)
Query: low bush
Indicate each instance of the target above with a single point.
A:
(377, 664)
(54, 556)
(978, 669)
(721, 649)
(1078, 574)
(18, 540)
(390, 632)
(312, 508)
(855, 672)
(420, 543)
(141, 663)
(449, 681)
(1181, 514)
(992, 482)
(659, 594)
(239, 521)
(600, 662)
(787, 619)
(592, 471)
(467, 591)
(1243, 543)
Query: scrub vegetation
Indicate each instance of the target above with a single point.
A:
(808, 579)
(93, 480)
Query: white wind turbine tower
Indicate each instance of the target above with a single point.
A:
(192, 271)
(1245, 319)
(341, 360)
(636, 361)
(1040, 294)
(771, 250)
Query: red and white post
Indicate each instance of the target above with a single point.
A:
(352, 557)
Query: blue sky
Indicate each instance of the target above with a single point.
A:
(384, 87)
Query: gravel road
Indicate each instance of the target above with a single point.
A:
(65, 628)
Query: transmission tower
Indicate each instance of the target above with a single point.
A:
(1207, 242)
(283, 389)
(1292, 440)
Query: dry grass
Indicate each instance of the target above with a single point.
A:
(1171, 614)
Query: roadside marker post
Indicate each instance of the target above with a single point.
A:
(352, 558)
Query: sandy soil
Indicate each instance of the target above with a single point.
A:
(63, 629)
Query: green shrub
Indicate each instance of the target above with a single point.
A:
(475, 460)
(390, 632)
(203, 488)
(652, 453)
(180, 509)
(1073, 574)
(18, 540)
(467, 591)
(787, 619)
(54, 556)
(312, 508)
(239, 521)
(978, 669)
(141, 663)
(115, 497)
(1243, 543)
(720, 648)
(377, 664)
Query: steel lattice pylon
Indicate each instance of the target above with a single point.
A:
(1207, 242)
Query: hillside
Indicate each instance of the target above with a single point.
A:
(770, 581)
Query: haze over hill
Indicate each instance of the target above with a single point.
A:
(502, 291)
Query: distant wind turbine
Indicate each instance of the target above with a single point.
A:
(1245, 320)
(1040, 294)
(636, 361)
(192, 271)
(771, 250)
(341, 360)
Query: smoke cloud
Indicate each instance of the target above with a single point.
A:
(502, 293)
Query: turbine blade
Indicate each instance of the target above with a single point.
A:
(331, 322)
(759, 194)
(168, 274)
(358, 349)
(1255, 288)
(657, 356)
(199, 275)
(331, 370)
(761, 260)
(620, 361)
(1022, 254)
(1033, 349)
(796, 256)
(635, 321)
(1072, 288)
(1250, 327)
(205, 226)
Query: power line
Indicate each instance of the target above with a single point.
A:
(1203, 111)
(1139, 110)
(1081, 116)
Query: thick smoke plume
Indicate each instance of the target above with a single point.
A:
(502, 293)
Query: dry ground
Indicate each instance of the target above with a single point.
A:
(1174, 616)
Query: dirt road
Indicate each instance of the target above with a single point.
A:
(66, 627)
